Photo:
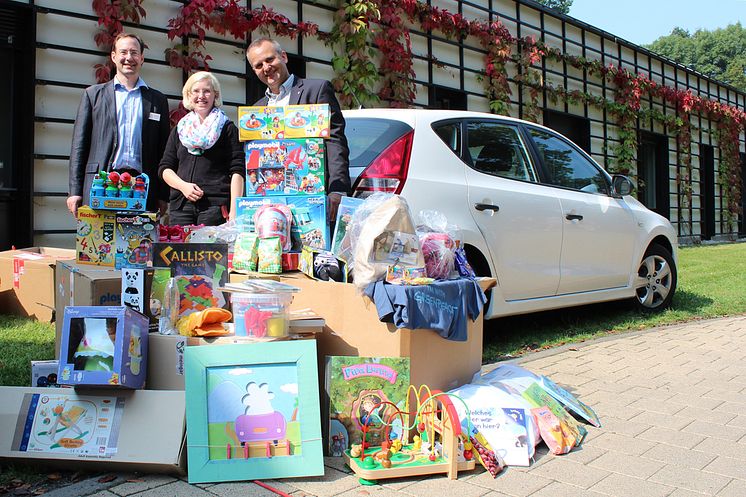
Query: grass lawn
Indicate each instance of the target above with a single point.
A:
(712, 283)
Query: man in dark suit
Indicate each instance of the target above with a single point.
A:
(269, 62)
(121, 125)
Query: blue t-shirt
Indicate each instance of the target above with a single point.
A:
(443, 306)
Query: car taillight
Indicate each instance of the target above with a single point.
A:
(387, 172)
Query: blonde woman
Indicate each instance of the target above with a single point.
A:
(203, 162)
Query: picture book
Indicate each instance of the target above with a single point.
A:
(570, 402)
(284, 167)
(261, 123)
(361, 391)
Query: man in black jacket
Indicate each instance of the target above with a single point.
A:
(269, 62)
(121, 125)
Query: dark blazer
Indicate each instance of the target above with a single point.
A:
(320, 91)
(95, 139)
(212, 171)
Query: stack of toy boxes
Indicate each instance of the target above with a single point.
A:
(285, 164)
(115, 230)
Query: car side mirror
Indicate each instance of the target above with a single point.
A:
(621, 185)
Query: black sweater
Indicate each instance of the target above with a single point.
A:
(211, 171)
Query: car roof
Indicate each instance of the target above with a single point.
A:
(412, 115)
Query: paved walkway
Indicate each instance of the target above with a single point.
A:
(673, 406)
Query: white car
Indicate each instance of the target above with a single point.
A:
(535, 211)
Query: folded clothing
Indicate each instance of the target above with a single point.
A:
(443, 306)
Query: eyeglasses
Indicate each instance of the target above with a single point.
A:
(131, 53)
(197, 93)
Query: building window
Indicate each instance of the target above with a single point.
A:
(576, 128)
(446, 98)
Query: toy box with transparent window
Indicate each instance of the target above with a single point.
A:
(103, 346)
(120, 192)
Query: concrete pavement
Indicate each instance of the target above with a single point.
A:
(672, 402)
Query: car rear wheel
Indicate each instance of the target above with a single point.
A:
(655, 283)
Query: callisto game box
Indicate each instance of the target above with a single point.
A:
(187, 259)
(285, 167)
(95, 240)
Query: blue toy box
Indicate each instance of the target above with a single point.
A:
(285, 167)
(113, 191)
(103, 346)
(309, 217)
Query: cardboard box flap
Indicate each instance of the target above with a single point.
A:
(141, 429)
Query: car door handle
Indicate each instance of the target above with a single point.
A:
(574, 217)
(486, 207)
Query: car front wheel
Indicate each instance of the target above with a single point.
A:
(655, 283)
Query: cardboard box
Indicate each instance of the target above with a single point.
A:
(166, 362)
(261, 123)
(135, 430)
(135, 234)
(307, 121)
(103, 346)
(353, 329)
(77, 284)
(27, 281)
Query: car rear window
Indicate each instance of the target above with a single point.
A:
(367, 137)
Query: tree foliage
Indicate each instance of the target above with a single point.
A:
(560, 5)
(720, 54)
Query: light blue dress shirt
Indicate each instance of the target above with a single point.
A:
(129, 126)
(283, 98)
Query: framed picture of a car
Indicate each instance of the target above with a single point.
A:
(253, 411)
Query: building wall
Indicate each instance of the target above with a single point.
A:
(66, 52)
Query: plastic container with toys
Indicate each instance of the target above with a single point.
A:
(261, 315)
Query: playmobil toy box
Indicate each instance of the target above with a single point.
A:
(261, 123)
(95, 240)
(135, 236)
(308, 226)
(120, 192)
(284, 167)
(103, 346)
(307, 121)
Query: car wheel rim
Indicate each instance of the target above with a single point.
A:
(654, 280)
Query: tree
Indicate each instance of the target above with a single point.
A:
(560, 5)
(720, 54)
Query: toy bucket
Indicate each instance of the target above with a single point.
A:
(261, 315)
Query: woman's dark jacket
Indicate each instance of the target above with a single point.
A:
(211, 171)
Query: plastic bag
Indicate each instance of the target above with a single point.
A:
(438, 242)
(382, 233)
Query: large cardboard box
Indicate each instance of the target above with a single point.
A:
(166, 362)
(27, 281)
(137, 430)
(77, 284)
(353, 329)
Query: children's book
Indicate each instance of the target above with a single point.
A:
(570, 402)
(364, 392)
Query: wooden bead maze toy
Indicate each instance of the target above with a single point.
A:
(438, 446)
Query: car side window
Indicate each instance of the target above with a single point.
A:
(565, 166)
(496, 149)
(450, 133)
